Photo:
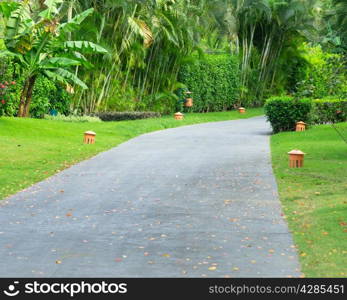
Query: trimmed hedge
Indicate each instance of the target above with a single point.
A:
(128, 115)
(329, 110)
(283, 112)
(214, 81)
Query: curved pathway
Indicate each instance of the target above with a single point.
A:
(196, 201)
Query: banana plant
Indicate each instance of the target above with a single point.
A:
(36, 39)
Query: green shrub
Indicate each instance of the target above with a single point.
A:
(8, 95)
(6, 98)
(283, 112)
(44, 90)
(46, 94)
(329, 110)
(214, 81)
(72, 118)
(130, 115)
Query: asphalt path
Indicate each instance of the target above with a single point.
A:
(195, 201)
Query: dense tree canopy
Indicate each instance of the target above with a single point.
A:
(147, 42)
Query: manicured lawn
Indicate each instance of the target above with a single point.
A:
(315, 198)
(32, 150)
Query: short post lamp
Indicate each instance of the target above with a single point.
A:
(178, 116)
(242, 110)
(89, 137)
(296, 159)
(189, 99)
(300, 126)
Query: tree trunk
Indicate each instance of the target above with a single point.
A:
(69, 17)
(29, 96)
(22, 99)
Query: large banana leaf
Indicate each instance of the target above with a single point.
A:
(6, 53)
(19, 21)
(74, 23)
(6, 8)
(84, 46)
(52, 9)
(65, 76)
(60, 62)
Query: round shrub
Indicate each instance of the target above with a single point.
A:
(283, 112)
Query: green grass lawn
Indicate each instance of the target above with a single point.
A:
(314, 198)
(32, 149)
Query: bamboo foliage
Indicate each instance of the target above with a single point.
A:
(146, 41)
(258, 31)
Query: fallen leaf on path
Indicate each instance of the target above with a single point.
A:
(233, 219)
(166, 255)
(212, 268)
(58, 262)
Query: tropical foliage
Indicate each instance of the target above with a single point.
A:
(324, 74)
(131, 53)
(34, 38)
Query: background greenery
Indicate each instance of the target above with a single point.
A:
(280, 47)
(329, 110)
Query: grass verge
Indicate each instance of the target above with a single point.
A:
(314, 198)
(32, 150)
